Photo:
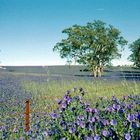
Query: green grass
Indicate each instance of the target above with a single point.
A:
(45, 95)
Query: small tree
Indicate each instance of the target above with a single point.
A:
(94, 45)
(135, 56)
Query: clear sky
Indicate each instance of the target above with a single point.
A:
(30, 28)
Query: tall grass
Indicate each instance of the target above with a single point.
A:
(45, 95)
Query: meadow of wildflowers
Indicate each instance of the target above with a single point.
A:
(89, 111)
(107, 119)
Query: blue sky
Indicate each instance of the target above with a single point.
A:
(30, 28)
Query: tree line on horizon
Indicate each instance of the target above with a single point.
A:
(95, 45)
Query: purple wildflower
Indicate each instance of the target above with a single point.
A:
(138, 116)
(64, 105)
(78, 122)
(96, 137)
(88, 109)
(127, 136)
(124, 97)
(66, 97)
(15, 130)
(92, 120)
(72, 130)
(104, 122)
(130, 106)
(94, 110)
(109, 109)
(68, 101)
(97, 117)
(81, 117)
(105, 133)
(113, 122)
(90, 127)
(54, 115)
(45, 133)
(82, 124)
(89, 138)
(114, 98)
(130, 117)
(116, 107)
(59, 101)
(133, 125)
(87, 105)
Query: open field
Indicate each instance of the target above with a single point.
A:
(74, 72)
(44, 86)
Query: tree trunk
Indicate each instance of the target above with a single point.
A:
(102, 69)
(99, 72)
(94, 70)
(75, 60)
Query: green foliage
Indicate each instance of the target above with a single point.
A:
(94, 44)
(135, 56)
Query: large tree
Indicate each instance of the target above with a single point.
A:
(135, 56)
(94, 45)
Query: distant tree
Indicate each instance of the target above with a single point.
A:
(135, 56)
(94, 45)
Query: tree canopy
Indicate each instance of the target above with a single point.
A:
(94, 44)
(135, 56)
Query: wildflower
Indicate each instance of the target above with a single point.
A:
(89, 138)
(124, 97)
(94, 110)
(133, 125)
(66, 97)
(81, 117)
(121, 111)
(54, 115)
(64, 105)
(97, 117)
(59, 101)
(72, 130)
(88, 109)
(130, 117)
(109, 109)
(138, 116)
(116, 107)
(114, 99)
(45, 133)
(105, 133)
(78, 122)
(96, 137)
(87, 105)
(113, 122)
(82, 124)
(130, 106)
(92, 120)
(90, 127)
(104, 122)
(127, 136)
(50, 133)
(15, 130)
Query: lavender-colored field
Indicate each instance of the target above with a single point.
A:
(13, 94)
